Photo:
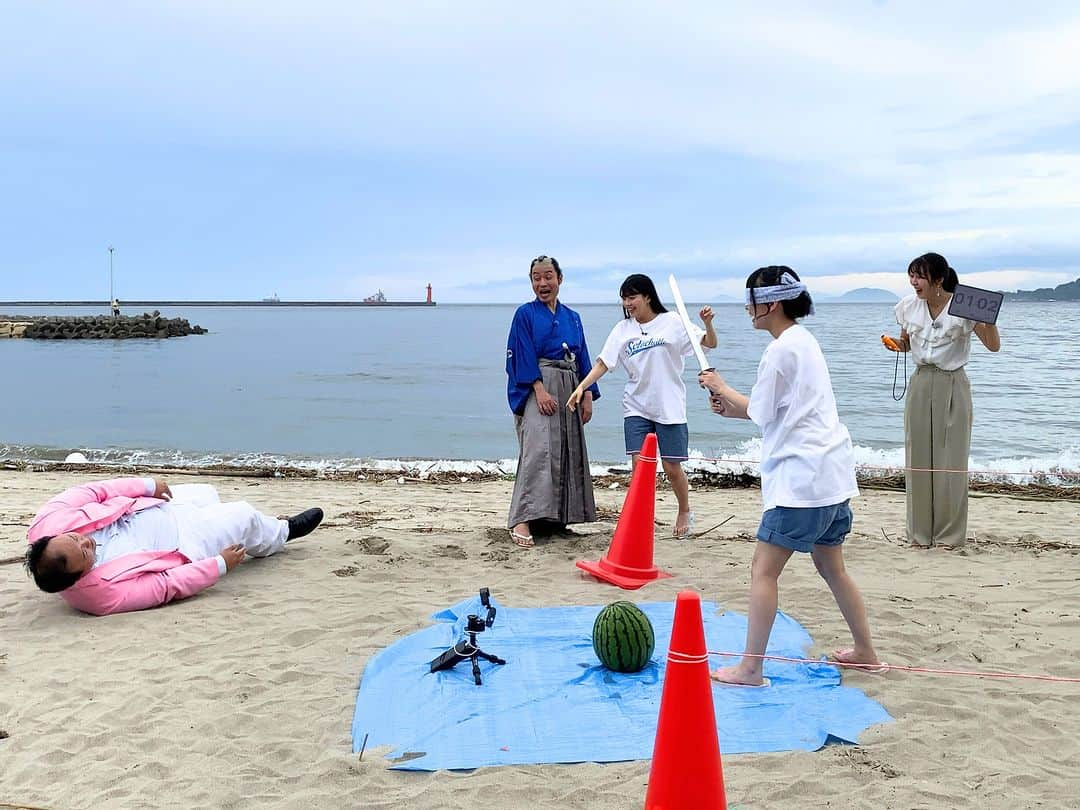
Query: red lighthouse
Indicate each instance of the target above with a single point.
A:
(429, 293)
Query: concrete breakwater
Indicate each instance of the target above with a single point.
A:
(95, 327)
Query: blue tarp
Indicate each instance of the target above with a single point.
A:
(554, 702)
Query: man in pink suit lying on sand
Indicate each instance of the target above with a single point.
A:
(127, 544)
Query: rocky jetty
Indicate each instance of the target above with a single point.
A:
(96, 327)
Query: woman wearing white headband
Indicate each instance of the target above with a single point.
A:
(807, 469)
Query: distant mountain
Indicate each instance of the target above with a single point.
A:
(1062, 292)
(863, 295)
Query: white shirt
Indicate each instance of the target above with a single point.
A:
(152, 529)
(944, 341)
(652, 354)
(806, 454)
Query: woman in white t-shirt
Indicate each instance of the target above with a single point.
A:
(937, 414)
(807, 470)
(650, 343)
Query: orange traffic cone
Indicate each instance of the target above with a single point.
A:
(629, 561)
(686, 772)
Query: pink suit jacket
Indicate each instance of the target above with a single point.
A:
(136, 581)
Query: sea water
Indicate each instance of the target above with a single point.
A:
(343, 387)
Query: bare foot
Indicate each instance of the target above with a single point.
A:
(684, 522)
(867, 662)
(738, 676)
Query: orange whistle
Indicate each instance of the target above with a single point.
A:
(890, 344)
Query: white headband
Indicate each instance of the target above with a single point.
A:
(787, 289)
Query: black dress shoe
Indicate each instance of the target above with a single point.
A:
(305, 522)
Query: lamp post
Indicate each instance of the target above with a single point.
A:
(111, 296)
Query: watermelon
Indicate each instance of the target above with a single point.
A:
(623, 637)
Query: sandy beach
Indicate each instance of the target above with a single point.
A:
(242, 696)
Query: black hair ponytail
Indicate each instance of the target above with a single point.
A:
(935, 267)
(950, 282)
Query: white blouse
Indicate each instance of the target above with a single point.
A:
(944, 341)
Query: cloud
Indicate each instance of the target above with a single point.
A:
(831, 263)
(789, 83)
(428, 141)
(1016, 278)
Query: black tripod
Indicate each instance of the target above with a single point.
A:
(468, 649)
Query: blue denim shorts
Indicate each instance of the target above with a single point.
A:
(673, 440)
(801, 528)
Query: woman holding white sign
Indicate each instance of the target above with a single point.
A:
(937, 415)
(650, 343)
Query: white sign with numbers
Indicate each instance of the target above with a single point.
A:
(975, 304)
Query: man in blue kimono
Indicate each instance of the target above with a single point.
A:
(546, 357)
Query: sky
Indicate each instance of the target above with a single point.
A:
(326, 150)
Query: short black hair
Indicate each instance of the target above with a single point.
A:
(641, 284)
(51, 575)
(541, 259)
(770, 276)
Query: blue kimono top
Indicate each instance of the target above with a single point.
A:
(538, 332)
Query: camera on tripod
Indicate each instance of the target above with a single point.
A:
(473, 623)
(467, 649)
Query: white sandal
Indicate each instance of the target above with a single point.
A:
(522, 540)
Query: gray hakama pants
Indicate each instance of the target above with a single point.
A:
(937, 428)
(553, 481)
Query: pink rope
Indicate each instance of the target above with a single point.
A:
(757, 462)
(898, 668)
